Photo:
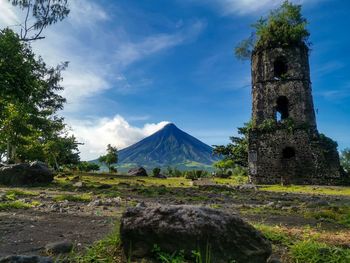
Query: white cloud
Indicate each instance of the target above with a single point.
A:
(96, 134)
(86, 13)
(8, 17)
(130, 52)
(244, 7)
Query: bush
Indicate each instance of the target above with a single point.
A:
(284, 26)
(156, 171)
(196, 174)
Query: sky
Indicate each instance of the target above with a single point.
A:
(135, 65)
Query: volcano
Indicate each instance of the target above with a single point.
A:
(169, 146)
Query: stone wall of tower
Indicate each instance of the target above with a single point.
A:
(298, 155)
(295, 84)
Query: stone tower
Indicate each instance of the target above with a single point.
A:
(284, 144)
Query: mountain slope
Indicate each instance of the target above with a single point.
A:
(169, 146)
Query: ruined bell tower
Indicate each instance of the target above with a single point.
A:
(284, 144)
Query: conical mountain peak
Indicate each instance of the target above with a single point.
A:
(169, 146)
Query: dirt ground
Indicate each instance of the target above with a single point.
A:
(87, 212)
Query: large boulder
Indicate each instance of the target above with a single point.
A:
(139, 171)
(25, 174)
(190, 228)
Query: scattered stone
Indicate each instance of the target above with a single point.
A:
(60, 247)
(25, 174)
(139, 171)
(274, 260)
(189, 228)
(79, 184)
(248, 187)
(26, 259)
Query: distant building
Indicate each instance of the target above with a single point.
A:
(284, 144)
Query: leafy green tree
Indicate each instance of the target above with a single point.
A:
(224, 165)
(345, 159)
(44, 12)
(29, 96)
(88, 167)
(284, 26)
(110, 158)
(237, 150)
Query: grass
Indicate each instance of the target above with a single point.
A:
(334, 214)
(107, 250)
(308, 189)
(14, 205)
(310, 251)
(13, 194)
(275, 234)
(73, 198)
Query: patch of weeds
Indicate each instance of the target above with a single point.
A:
(262, 210)
(14, 205)
(340, 215)
(176, 257)
(275, 234)
(309, 251)
(73, 198)
(12, 195)
(107, 250)
(309, 189)
(215, 206)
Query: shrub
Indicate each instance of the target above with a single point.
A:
(156, 171)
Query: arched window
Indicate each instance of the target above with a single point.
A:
(282, 108)
(288, 153)
(280, 67)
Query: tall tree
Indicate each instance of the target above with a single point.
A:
(29, 98)
(345, 160)
(44, 12)
(110, 158)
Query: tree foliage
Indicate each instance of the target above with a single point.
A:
(44, 12)
(110, 158)
(29, 101)
(237, 150)
(345, 159)
(284, 26)
(88, 167)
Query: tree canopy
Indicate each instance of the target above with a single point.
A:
(30, 128)
(284, 26)
(110, 158)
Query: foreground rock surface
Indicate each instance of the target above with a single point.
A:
(190, 228)
(25, 174)
(139, 171)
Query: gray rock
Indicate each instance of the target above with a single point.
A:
(25, 174)
(59, 247)
(189, 228)
(139, 171)
(79, 184)
(25, 259)
(161, 176)
(248, 187)
(274, 260)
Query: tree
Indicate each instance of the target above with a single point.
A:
(29, 96)
(284, 26)
(88, 167)
(110, 158)
(224, 165)
(345, 159)
(44, 12)
(237, 150)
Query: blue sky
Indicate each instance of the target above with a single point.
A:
(137, 64)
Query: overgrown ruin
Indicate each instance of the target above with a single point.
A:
(284, 143)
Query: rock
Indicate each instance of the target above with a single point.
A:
(139, 171)
(248, 187)
(274, 260)
(189, 228)
(25, 259)
(60, 247)
(160, 176)
(79, 184)
(25, 174)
